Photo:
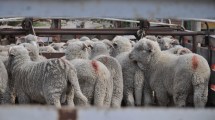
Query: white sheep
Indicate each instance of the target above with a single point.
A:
(3, 80)
(171, 76)
(58, 46)
(167, 42)
(120, 44)
(133, 79)
(100, 52)
(33, 52)
(94, 77)
(178, 50)
(48, 49)
(43, 82)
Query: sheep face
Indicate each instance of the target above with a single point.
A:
(167, 43)
(17, 50)
(77, 50)
(33, 50)
(144, 51)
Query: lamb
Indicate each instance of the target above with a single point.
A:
(3, 80)
(100, 53)
(121, 45)
(99, 48)
(48, 49)
(94, 77)
(84, 38)
(32, 39)
(167, 42)
(179, 50)
(43, 82)
(58, 46)
(95, 39)
(133, 79)
(151, 37)
(33, 52)
(189, 78)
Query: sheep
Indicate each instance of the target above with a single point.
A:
(99, 48)
(133, 79)
(43, 82)
(32, 39)
(151, 37)
(94, 77)
(167, 42)
(72, 40)
(179, 50)
(100, 52)
(121, 45)
(95, 39)
(48, 49)
(84, 38)
(189, 76)
(33, 52)
(116, 72)
(3, 80)
(58, 46)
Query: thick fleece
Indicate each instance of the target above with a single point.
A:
(173, 77)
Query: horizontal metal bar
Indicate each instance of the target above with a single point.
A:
(69, 113)
(108, 8)
(114, 31)
(53, 55)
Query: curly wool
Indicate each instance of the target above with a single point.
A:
(133, 79)
(189, 76)
(42, 82)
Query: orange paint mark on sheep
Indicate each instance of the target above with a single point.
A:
(213, 67)
(95, 65)
(212, 87)
(194, 62)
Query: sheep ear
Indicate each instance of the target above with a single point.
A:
(84, 46)
(11, 51)
(150, 47)
(175, 42)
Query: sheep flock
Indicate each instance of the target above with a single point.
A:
(154, 71)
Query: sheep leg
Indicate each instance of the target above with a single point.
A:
(180, 91)
(162, 96)
(200, 94)
(129, 99)
(147, 94)
(23, 98)
(70, 97)
(100, 93)
(53, 99)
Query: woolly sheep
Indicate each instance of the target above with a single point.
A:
(121, 45)
(100, 53)
(32, 39)
(84, 38)
(133, 79)
(151, 37)
(94, 77)
(33, 52)
(95, 39)
(179, 50)
(189, 76)
(48, 49)
(58, 46)
(116, 72)
(3, 80)
(167, 42)
(99, 48)
(43, 82)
